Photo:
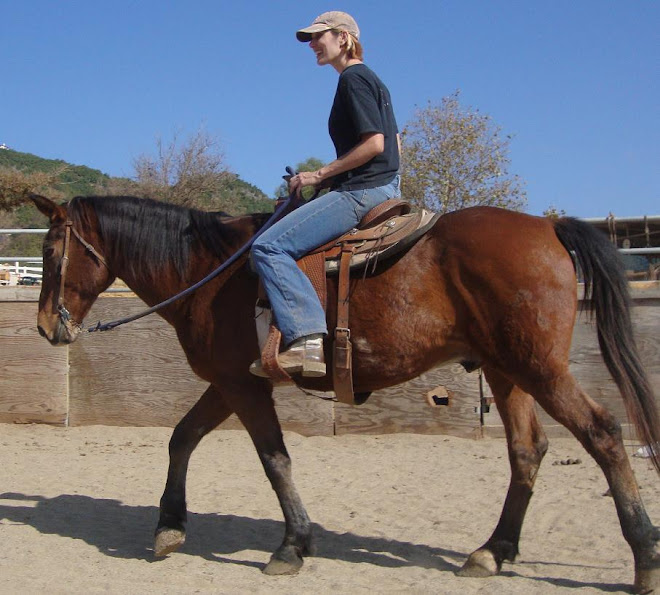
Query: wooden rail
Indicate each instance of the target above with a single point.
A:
(137, 375)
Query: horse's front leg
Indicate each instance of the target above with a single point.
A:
(527, 445)
(256, 410)
(206, 414)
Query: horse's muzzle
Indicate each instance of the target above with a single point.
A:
(60, 334)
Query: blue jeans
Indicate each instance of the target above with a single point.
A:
(296, 307)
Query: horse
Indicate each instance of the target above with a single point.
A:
(485, 286)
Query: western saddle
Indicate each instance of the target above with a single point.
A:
(386, 230)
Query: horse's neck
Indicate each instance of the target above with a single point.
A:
(168, 283)
(153, 292)
(159, 286)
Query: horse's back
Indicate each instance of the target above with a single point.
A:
(485, 227)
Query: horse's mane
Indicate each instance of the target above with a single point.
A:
(147, 236)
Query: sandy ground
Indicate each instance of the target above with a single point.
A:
(392, 514)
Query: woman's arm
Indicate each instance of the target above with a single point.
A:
(370, 145)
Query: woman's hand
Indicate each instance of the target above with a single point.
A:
(303, 179)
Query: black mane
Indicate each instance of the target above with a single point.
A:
(147, 236)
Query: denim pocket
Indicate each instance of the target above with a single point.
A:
(368, 198)
(359, 196)
(358, 200)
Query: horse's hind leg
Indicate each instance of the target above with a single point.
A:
(256, 410)
(600, 434)
(527, 445)
(205, 415)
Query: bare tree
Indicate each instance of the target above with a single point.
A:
(188, 173)
(455, 157)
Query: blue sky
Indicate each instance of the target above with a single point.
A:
(576, 82)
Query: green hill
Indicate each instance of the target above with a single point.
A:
(79, 180)
(74, 180)
(234, 196)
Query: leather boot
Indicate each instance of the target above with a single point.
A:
(304, 356)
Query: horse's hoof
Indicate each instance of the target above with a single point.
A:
(168, 541)
(287, 564)
(480, 564)
(646, 582)
(647, 571)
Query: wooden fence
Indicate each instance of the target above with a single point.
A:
(137, 375)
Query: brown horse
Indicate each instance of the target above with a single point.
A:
(485, 286)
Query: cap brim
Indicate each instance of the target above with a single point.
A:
(306, 33)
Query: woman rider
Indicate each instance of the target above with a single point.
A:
(364, 131)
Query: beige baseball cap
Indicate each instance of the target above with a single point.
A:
(334, 19)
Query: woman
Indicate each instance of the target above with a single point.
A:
(364, 131)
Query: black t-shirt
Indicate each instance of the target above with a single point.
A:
(362, 105)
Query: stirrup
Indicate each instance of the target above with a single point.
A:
(304, 357)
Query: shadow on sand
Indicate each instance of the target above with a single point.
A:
(125, 531)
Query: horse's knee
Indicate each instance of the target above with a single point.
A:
(605, 428)
(526, 458)
(179, 438)
(604, 438)
(534, 452)
(176, 439)
(185, 439)
(541, 444)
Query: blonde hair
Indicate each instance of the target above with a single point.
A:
(353, 46)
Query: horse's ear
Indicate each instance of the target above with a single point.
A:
(55, 212)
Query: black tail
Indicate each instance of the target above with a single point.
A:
(606, 288)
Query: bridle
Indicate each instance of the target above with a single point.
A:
(64, 314)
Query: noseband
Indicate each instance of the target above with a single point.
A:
(65, 315)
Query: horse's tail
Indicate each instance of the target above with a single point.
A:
(606, 288)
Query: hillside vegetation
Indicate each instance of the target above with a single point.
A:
(234, 196)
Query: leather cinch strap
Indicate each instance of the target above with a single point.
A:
(342, 370)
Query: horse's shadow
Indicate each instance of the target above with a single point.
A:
(124, 531)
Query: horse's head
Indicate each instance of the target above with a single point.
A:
(74, 274)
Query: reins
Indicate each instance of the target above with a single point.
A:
(212, 275)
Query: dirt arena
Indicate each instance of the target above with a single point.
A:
(395, 513)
